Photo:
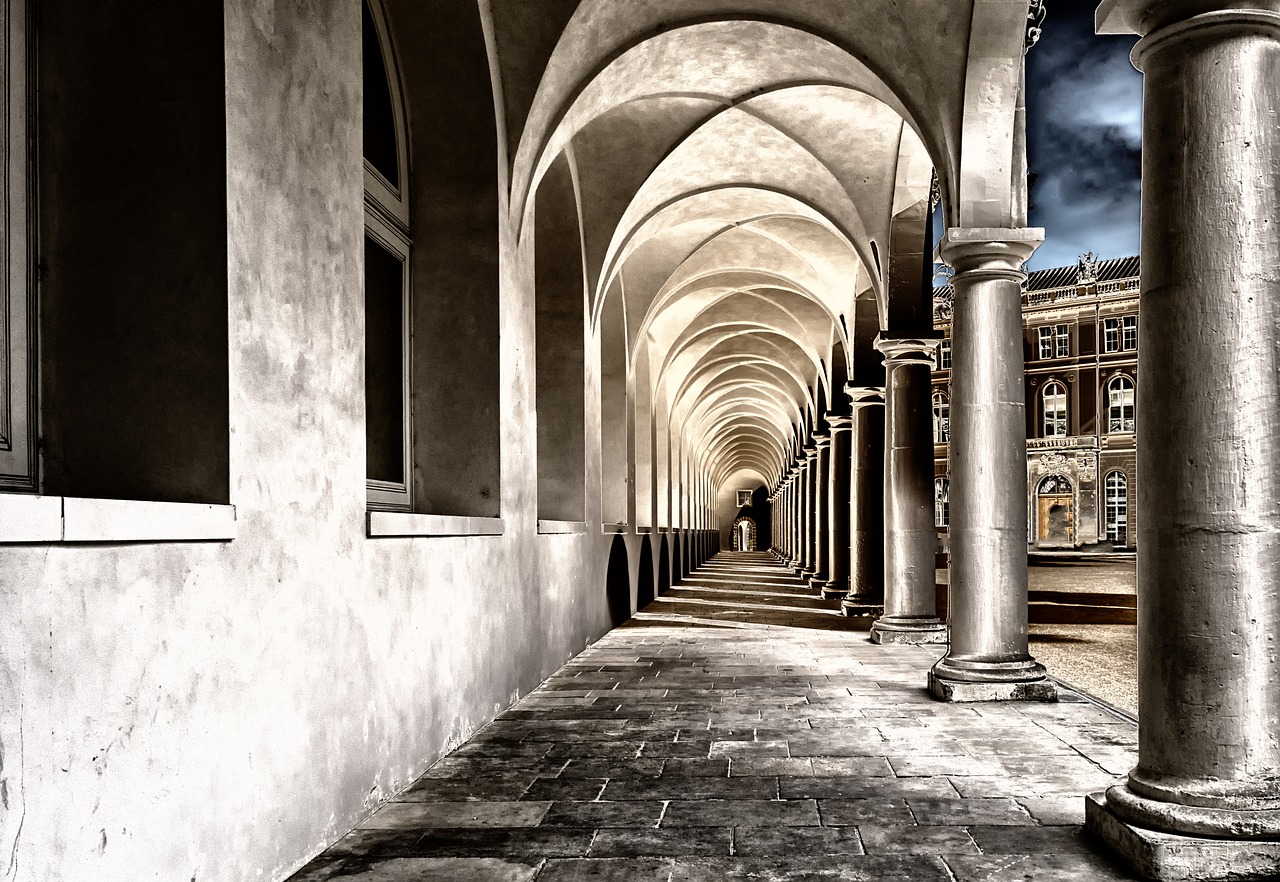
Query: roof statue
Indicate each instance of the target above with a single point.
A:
(1087, 269)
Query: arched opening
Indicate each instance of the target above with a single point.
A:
(436, 406)
(664, 567)
(646, 587)
(677, 564)
(1116, 515)
(743, 535)
(559, 310)
(617, 583)
(1055, 507)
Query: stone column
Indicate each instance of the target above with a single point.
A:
(821, 494)
(866, 503)
(988, 658)
(804, 565)
(837, 584)
(1208, 440)
(910, 537)
(792, 515)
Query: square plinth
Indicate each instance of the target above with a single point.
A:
(961, 691)
(1169, 856)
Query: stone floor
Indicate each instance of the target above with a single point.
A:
(739, 728)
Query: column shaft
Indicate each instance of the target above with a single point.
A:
(821, 520)
(866, 504)
(838, 501)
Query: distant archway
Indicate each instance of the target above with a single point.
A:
(644, 581)
(744, 534)
(617, 583)
(1055, 513)
(664, 567)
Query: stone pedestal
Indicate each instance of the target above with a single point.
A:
(866, 503)
(1208, 439)
(988, 659)
(910, 596)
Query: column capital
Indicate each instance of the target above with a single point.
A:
(1148, 17)
(865, 396)
(907, 350)
(839, 423)
(810, 453)
(821, 442)
(978, 253)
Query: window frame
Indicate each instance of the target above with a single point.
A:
(1062, 341)
(1117, 502)
(1131, 406)
(387, 222)
(19, 413)
(1046, 341)
(941, 418)
(944, 354)
(1063, 420)
(1128, 333)
(941, 503)
(1110, 335)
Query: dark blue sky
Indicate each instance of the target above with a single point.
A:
(1084, 138)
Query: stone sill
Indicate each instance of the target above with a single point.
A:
(388, 524)
(551, 528)
(607, 529)
(27, 519)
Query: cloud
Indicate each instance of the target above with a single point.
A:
(1084, 143)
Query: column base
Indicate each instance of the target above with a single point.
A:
(833, 590)
(1172, 856)
(911, 631)
(979, 679)
(855, 608)
(818, 582)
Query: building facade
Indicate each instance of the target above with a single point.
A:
(1080, 348)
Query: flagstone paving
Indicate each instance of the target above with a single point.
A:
(739, 728)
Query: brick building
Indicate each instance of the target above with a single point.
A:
(1080, 346)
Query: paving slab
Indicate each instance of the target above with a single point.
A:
(741, 729)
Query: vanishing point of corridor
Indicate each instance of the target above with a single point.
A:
(739, 728)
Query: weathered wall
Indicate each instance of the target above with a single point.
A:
(223, 710)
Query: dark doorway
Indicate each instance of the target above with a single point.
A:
(645, 582)
(617, 583)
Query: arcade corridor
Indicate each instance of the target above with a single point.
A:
(740, 728)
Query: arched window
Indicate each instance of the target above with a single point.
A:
(1120, 405)
(1117, 508)
(941, 418)
(1054, 408)
(941, 502)
(386, 275)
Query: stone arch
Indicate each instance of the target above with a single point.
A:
(744, 536)
(617, 583)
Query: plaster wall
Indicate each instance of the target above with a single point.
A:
(224, 710)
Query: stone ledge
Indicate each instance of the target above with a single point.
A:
(62, 519)
(964, 691)
(1166, 857)
(389, 524)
